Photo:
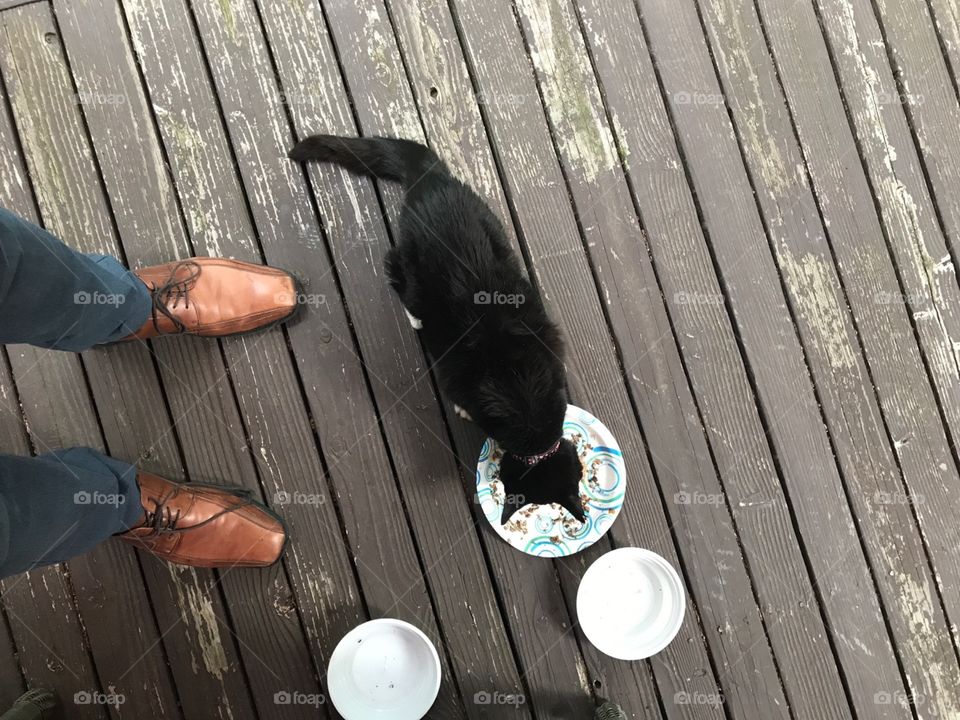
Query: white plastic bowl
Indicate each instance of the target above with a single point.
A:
(384, 669)
(630, 603)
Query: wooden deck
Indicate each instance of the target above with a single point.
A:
(745, 216)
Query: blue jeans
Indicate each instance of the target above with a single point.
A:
(65, 502)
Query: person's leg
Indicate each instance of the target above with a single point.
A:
(55, 297)
(62, 504)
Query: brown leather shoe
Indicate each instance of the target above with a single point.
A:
(205, 525)
(215, 297)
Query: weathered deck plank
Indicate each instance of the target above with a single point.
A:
(534, 183)
(389, 569)
(450, 111)
(746, 465)
(772, 351)
(677, 445)
(52, 385)
(922, 223)
(277, 660)
(853, 417)
(790, 355)
(865, 452)
(921, 220)
(927, 92)
(189, 604)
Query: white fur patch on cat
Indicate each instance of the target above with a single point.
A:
(462, 413)
(415, 323)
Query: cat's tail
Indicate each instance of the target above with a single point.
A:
(403, 161)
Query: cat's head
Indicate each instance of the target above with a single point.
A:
(555, 479)
(521, 401)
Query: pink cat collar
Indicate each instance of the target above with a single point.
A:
(531, 460)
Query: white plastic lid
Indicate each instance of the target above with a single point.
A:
(384, 669)
(630, 603)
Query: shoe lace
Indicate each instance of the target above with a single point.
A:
(167, 296)
(162, 519)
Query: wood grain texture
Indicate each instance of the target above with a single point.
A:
(388, 566)
(675, 437)
(428, 474)
(107, 583)
(746, 465)
(921, 226)
(189, 604)
(926, 89)
(772, 351)
(946, 17)
(10, 4)
(266, 609)
(534, 183)
(868, 457)
(450, 111)
(740, 210)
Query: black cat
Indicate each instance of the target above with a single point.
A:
(497, 354)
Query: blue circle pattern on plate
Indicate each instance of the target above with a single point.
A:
(552, 532)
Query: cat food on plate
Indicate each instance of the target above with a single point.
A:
(550, 530)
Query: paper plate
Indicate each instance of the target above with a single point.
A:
(630, 603)
(549, 530)
(385, 669)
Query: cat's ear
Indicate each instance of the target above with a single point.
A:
(574, 505)
(511, 503)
